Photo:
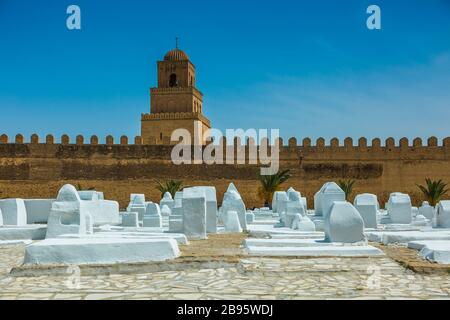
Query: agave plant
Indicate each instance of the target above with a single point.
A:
(270, 184)
(171, 186)
(347, 187)
(433, 191)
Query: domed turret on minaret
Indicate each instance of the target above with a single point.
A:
(176, 102)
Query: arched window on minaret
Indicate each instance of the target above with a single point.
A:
(173, 80)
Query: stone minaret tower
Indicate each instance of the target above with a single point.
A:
(175, 103)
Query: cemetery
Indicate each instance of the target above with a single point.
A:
(83, 229)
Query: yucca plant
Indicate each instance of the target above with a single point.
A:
(171, 186)
(270, 184)
(347, 187)
(433, 191)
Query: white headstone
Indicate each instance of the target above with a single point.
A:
(38, 210)
(317, 204)
(232, 223)
(152, 216)
(302, 223)
(281, 201)
(130, 219)
(443, 214)
(68, 214)
(165, 211)
(427, 211)
(1, 218)
(277, 197)
(343, 223)
(250, 217)
(232, 201)
(88, 195)
(137, 198)
(167, 201)
(137, 204)
(14, 212)
(211, 207)
(367, 205)
(292, 194)
(399, 208)
(194, 213)
(420, 220)
(177, 199)
(324, 199)
(232, 187)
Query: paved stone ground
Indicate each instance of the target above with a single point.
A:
(252, 278)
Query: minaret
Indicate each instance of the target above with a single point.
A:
(176, 102)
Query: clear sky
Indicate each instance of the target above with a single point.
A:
(309, 68)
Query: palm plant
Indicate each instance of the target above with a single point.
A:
(270, 184)
(347, 187)
(79, 187)
(433, 191)
(171, 186)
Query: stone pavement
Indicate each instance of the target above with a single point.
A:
(251, 278)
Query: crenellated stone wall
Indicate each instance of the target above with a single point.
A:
(36, 168)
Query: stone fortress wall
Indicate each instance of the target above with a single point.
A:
(37, 169)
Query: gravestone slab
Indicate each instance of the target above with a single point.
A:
(343, 223)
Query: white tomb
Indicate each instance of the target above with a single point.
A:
(232, 201)
(399, 208)
(14, 212)
(250, 217)
(303, 223)
(292, 194)
(102, 211)
(278, 196)
(167, 201)
(324, 199)
(89, 195)
(165, 211)
(1, 218)
(343, 223)
(420, 220)
(178, 199)
(152, 217)
(194, 213)
(282, 203)
(38, 210)
(211, 208)
(437, 251)
(84, 251)
(130, 219)
(232, 187)
(69, 214)
(137, 204)
(176, 216)
(427, 211)
(232, 223)
(367, 206)
(443, 214)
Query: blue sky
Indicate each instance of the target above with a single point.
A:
(309, 68)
